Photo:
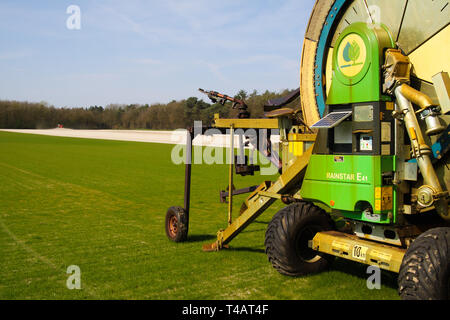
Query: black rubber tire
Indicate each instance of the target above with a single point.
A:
(177, 223)
(425, 269)
(287, 239)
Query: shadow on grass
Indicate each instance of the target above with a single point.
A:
(247, 249)
(389, 279)
(200, 237)
(261, 222)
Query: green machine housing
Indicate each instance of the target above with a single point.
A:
(353, 162)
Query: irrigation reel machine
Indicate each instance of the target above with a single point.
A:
(369, 144)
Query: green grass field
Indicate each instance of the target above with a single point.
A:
(101, 205)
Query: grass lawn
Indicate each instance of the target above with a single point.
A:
(101, 205)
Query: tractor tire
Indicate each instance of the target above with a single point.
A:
(287, 239)
(177, 224)
(425, 269)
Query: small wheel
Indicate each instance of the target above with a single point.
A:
(425, 269)
(287, 239)
(177, 224)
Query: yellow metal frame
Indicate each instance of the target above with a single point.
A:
(264, 196)
(356, 249)
(245, 123)
(267, 193)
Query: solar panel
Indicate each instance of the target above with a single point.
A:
(332, 119)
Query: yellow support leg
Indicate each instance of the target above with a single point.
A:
(289, 182)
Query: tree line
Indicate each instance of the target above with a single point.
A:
(169, 116)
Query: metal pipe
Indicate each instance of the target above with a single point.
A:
(187, 175)
(416, 97)
(429, 111)
(411, 123)
(224, 194)
(421, 151)
(230, 176)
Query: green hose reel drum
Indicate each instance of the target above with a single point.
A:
(341, 79)
(348, 161)
(420, 28)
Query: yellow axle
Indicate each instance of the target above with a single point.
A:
(353, 248)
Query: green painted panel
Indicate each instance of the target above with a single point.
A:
(357, 61)
(347, 183)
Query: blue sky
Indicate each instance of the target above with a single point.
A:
(137, 51)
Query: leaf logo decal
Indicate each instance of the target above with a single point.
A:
(352, 52)
(347, 52)
(351, 55)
